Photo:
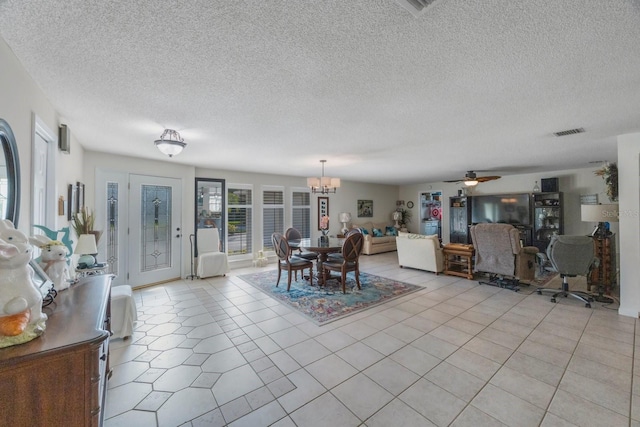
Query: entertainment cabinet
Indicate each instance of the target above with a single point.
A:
(60, 378)
(537, 216)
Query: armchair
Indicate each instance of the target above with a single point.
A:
(500, 254)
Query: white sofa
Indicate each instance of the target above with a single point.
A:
(375, 245)
(419, 251)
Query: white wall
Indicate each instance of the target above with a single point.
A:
(21, 99)
(344, 200)
(629, 238)
(572, 183)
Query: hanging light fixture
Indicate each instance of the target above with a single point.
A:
(170, 143)
(324, 184)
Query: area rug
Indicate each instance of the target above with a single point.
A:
(323, 305)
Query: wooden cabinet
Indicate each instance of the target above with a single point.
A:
(459, 219)
(60, 377)
(547, 218)
(458, 260)
(606, 272)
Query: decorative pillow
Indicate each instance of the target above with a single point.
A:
(364, 230)
(377, 232)
(416, 236)
(391, 231)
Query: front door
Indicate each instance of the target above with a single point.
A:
(155, 229)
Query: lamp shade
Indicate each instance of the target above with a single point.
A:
(170, 143)
(86, 245)
(344, 217)
(397, 216)
(599, 213)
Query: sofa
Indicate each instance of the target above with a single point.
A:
(378, 237)
(420, 251)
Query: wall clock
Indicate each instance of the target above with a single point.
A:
(410, 204)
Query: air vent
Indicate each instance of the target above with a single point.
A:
(569, 132)
(415, 7)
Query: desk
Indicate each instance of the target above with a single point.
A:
(458, 260)
(323, 248)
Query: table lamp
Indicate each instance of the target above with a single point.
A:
(600, 214)
(86, 247)
(397, 216)
(344, 218)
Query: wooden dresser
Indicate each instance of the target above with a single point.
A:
(60, 377)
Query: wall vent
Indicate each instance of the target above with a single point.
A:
(415, 7)
(569, 132)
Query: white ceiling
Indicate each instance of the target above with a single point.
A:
(275, 86)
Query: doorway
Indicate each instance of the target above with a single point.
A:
(141, 219)
(210, 207)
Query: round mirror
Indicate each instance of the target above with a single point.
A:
(9, 175)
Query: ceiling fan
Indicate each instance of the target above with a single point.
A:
(471, 179)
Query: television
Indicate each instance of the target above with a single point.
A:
(503, 208)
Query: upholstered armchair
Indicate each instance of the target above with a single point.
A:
(500, 254)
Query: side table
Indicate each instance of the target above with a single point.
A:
(458, 260)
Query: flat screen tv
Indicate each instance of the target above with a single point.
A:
(504, 208)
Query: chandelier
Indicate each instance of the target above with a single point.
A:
(324, 184)
(170, 143)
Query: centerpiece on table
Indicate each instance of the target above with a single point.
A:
(324, 226)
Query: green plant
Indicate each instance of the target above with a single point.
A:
(83, 223)
(609, 173)
(406, 216)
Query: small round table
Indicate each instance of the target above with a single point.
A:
(323, 247)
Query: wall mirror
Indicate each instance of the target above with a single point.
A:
(210, 206)
(9, 175)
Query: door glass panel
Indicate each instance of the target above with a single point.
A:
(155, 222)
(112, 227)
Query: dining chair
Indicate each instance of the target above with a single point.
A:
(351, 249)
(288, 262)
(211, 261)
(338, 255)
(294, 234)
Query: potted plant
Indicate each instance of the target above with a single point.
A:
(406, 217)
(83, 223)
(609, 173)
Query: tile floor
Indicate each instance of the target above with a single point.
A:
(219, 352)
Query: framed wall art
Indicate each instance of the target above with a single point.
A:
(323, 208)
(365, 208)
(80, 196)
(72, 200)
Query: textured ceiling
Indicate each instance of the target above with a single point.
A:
(384, 96)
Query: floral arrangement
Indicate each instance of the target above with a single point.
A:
(609, 173)
(324, 222)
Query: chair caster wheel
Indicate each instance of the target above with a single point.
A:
(539, 292)
(553, 300)
(587, 305)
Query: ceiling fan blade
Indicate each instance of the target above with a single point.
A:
(454, 180)
(487, 178)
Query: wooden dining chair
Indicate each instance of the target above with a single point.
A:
(351, 249)
(338, 255)
(287, 262)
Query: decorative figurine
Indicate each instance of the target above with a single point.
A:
(21, 316)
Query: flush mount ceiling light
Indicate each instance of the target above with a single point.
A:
(324, 184)
(170, 143)
(415, 7)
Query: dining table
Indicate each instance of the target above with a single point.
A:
(322, 246)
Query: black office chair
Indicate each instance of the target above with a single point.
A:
(571, 256)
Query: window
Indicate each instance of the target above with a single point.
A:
(301, 211)
(239, 219)
(272, 214)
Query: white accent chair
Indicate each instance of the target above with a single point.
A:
(211, 262)
(123, 311)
